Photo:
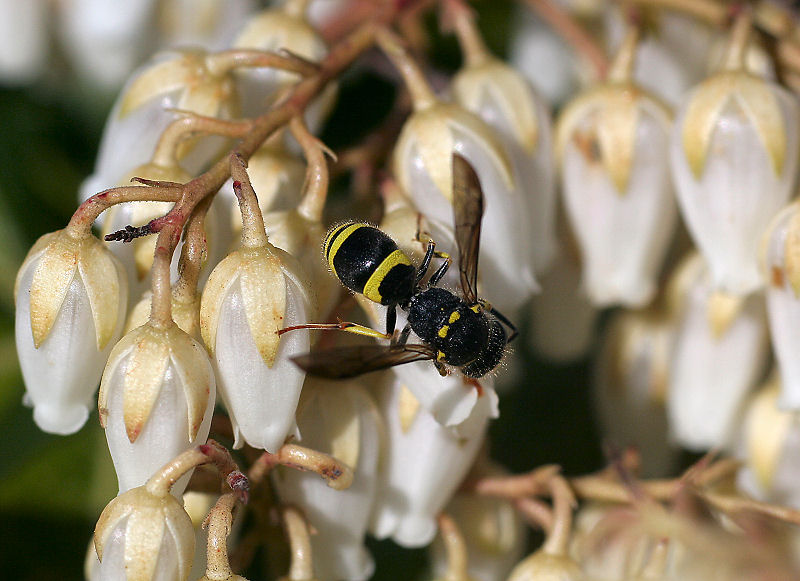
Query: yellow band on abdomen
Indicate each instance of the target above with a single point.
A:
(373, 284)
(339, 240)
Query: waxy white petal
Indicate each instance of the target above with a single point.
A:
(423, 466)
(341, 420)
(156, 400)
(60, 390)
(729, 205)
(711, 375)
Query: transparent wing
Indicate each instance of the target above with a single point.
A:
(468, 212)
(351, 361)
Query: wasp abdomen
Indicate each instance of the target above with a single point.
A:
(368, 261)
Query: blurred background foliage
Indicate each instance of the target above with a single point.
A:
(53, 488)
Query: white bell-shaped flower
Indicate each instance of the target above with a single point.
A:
(506, 101)
(341, 420)
(187, 80)
(156, 400)
(250, 295)
(423, 167)
(721, 350)
(71, 298)
(283, 27)
(211, 24)
(493, 530)
(782, 271)
(769, 446)
(424, 461)
(144, 536)
(612, 144)
(105, 41)
(734, 158)
(23, 41)
(630, 383)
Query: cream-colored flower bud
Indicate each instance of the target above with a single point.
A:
(285, 27)
(423, 166)
(156, 400)
(424, 462)
(250, 295)
(71, 297)
(211, 24)
(734, 160)
(542, 566)
(781, 265)
(770, 448)
(505, 100)
(142, 536)
(612, 144)
(493, 530)
(721, 350)
(186, 80)
(630, 384)
(341, 420)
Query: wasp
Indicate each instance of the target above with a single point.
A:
(463, 332)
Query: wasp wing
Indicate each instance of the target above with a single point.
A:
(468, 212)
(351, 361)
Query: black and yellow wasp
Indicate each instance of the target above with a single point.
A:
(466, 333)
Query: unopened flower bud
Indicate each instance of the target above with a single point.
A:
(71, 296)
(721, 349)
(142, 536)
(612, 144)
(781, 264)
(343, 421)
(285, 27)
(504, 99)
(249, 296)
(734, 160)
(156, 400)
(770, 448)
(542, 566)
(211, 24)
(186, 80)
(424, 463)
(630, 385)
(423, 165)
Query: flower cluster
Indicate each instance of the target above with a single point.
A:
(212, 303)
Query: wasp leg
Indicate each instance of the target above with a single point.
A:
(509, 324)
(391, 319)
(402, 339)
(341, 326)
(440, 272)
(440, 368)
(426, 262)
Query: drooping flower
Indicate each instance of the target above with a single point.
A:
(424, 461)
(283, 27)
(250, 295)
(506, 101)
(768, 444)
(734, 158)
(782, 271)
(630, 385)
(156, 400)
(721, 350)
(612, 143)
(143, 536)
(343, 421)
(71, 298)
